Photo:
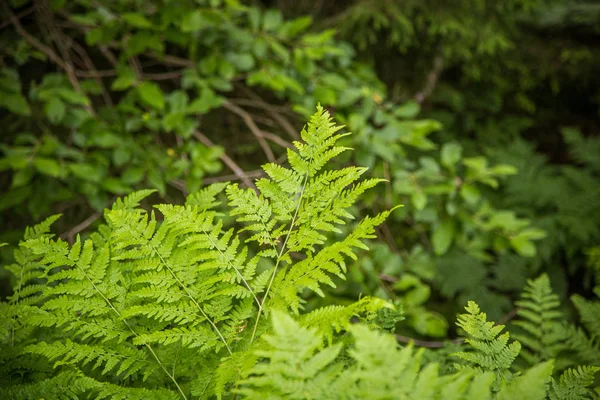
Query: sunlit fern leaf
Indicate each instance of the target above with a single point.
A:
(333, 319)
(488, 349)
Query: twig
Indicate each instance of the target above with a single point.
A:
(274, 111)
(90, 65)
(508, 317)
(428, 343)
(173, 60)
(224, 178)
(18, 16)
(51, 54)
(109, 56)
(277, 139)
(432, 78)
(32, 40)
(70, 235)
(247, 118)
(227, 160)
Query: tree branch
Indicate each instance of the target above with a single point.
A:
(227, 160)
(432, 79)
(247, 118)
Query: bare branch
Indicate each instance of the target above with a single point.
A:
(70, 235)
(432, 78)
(227, 160)
(247, 118)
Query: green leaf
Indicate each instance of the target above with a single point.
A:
(207, 101)
(151, 95)
(193, 22)
(55, 110)
(242, 61)
(443, 235)
(87, 172)
(15, 103)
(470, 193)
(157, 181)
(504, 169)
(272, 19)
(419, 199)
(47, 166)
(137, 20)
(523, 246)
(115, 186)
(125, 79)
(409, 109)
(133, 175)
(450, 154)
(73, 97)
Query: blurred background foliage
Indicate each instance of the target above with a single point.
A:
(482, 115)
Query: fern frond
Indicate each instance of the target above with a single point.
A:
(490, 351)
(333, 319)
(586, 348)
(27, 270)
(589, 312)
(573, 384)
(540, 320)
(119, 359)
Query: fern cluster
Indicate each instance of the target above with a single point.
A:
(188, 301)
(163, 300)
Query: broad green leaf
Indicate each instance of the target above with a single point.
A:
(272, 19)
(115, 186)
(87, 172)
(72, 96)
(193, 22)
(443, 235)
(137, 20)
(157, 181)
(133, 175)
(207, 101)
(450, 154)
(409, 109)
(419, 199)
(125, 79)
(504, 169)
(151, 95)
(55, 110)
(242, 61)
(15, 103)
(47, 166)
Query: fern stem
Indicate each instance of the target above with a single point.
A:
(260, 307)
(162, 366)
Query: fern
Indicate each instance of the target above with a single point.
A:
(584, 341)
(295, 366)
(573, 384)
(540, 321)
(489, 351)
(172, 298)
